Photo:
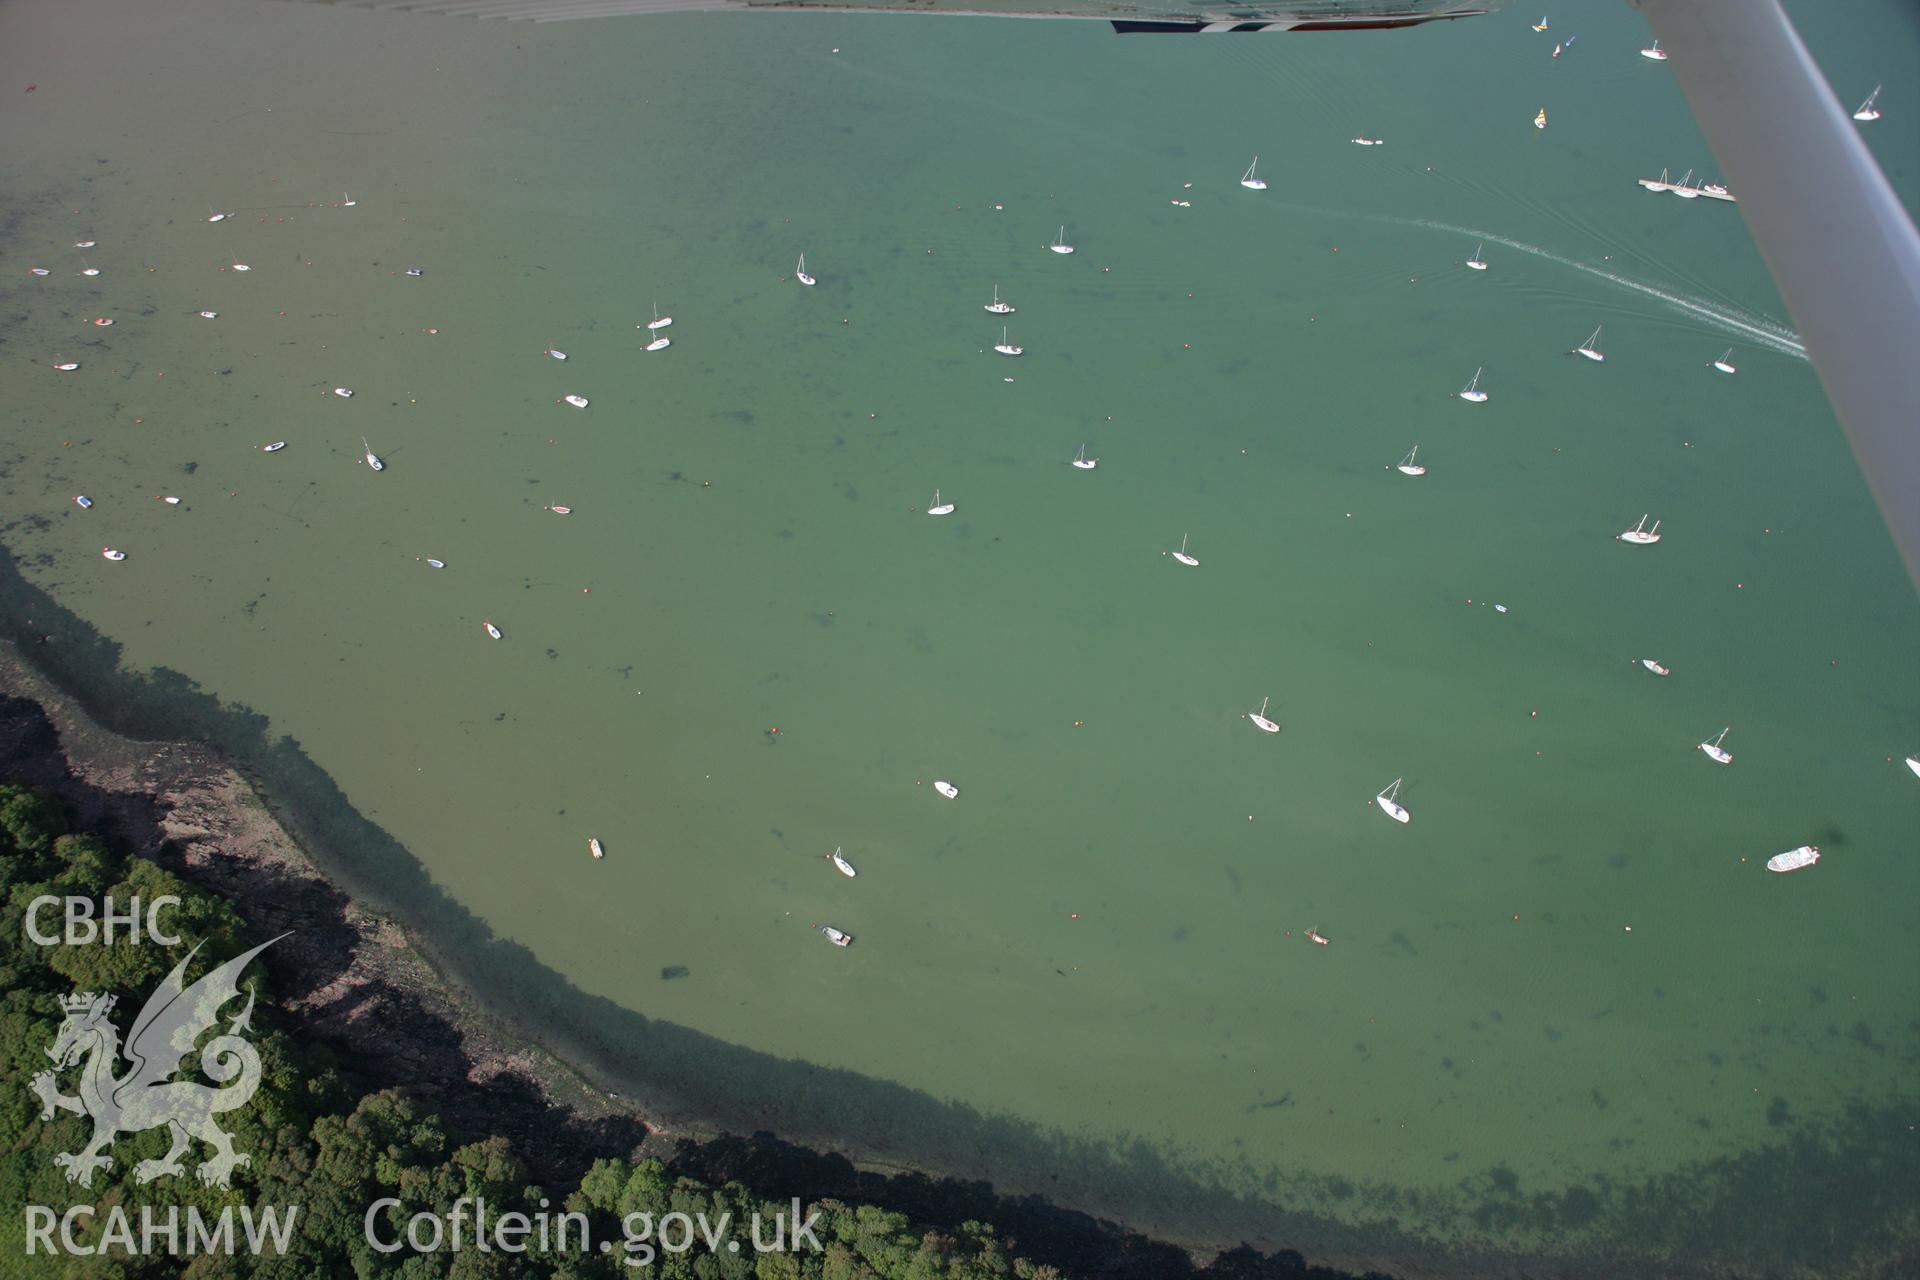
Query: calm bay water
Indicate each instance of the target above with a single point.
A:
(1568, 977)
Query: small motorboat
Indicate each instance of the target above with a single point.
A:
(557, 355)
(1082, 461)
(1656, 53)
(1499, 608)
(85, 244)
(1715, 752)
(1368, 142)
(238, 266)
(659, 321)
(275, 447)
(90, 271)
(1260, 720)
(838, 860)
(1182, 556)
(373, 459)
(209, 315)
(946, 789)
(1725, 363)
(998, 307)
(171, 501)
(101, 322)
(218, 217)
(1540, 120)
(1316, 937)
(1640, 535)
(435, 564)
(1472, 393)
(82, 501)
(1409, 466)
(1654, 666)
(1476, 263)
(559, 511)
(1390, 805)
(38, 271)
(1794, 859)
(1060, 244)
(345, 393)
(111, 554)
(415, 272)
(1717, 190)
(594, 847)
(491, 630)
(68, 367)
(835, 936)
(660, 343)
(1004, 347)
(1182, 204)
(939, 508)
(800, 274)
(1247, 179)
(578, 402)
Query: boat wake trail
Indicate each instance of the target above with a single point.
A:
(1741, 324)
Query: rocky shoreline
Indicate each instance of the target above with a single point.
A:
(352, 975)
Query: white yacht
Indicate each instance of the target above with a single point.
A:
(1473, 394)
(578, 402)
(1725, 363)
(345, 393)
(1260, 720)
(1247, 179)
(273, 446)
(1591, 347)
(1715, 752)
(838, 860)
(835, 936)
(1390, 806)
(1182, 556)
(1004, 347)
(946, 789)
(1476, 262)
(1868, 111)
(660, 342)
(998, 307)
(1640, 535)
(1656, 53)
(659, 321)
(1082, 461)
(491, 630)
(1409, 466)
(594, 847)
(373, 459)
(111, 554)
(800, 273)
(1794, 859)
(1060, 244)
(1656, 185)
(556, 353)
(939, 508)
(1681, 188)
(1653, 665)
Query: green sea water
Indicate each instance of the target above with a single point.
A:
(1563, 998)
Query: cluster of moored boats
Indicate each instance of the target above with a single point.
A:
(840, 937)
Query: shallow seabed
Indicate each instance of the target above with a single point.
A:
(1562, 1011)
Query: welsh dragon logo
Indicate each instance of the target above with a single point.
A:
(147, 1096)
